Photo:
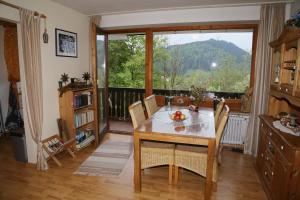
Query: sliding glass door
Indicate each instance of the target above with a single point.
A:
(102, 83)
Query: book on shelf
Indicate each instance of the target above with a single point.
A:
(84, 138)
(81, 135)
(83, 118)
(85, 142)
(84, 99)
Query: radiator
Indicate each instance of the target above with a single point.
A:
(235, 129)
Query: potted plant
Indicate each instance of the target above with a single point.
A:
(197, 96)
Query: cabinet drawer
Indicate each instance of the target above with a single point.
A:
(271, 147)
(269, 159)
(274, 87)
(286, 151)
(274, 137)
(263, 127)
(267, 177)
(280, 145)
(287, 89)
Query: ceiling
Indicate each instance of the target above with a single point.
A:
(102, 7)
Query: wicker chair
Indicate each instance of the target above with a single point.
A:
(150, 104)
(194, 158)
(152, 153)
(219, 109)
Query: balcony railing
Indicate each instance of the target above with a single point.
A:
(121, 98)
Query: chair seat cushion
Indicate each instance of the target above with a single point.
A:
(151, 144)
(190, 148)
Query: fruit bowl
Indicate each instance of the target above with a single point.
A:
(177, 116)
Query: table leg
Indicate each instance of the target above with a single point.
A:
(137, 163)
(209, 168)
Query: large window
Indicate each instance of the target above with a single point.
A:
(219, 61)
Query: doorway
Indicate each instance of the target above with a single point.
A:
(11, 112)
(120, 78)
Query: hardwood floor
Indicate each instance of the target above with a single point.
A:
(121, 126)
(237, 180)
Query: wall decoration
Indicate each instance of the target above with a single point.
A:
(86, 77)
(64, 78)
(45, 34)
(66, 43)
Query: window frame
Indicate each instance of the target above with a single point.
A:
(149, 44)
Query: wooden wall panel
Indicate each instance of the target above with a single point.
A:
(11, 53)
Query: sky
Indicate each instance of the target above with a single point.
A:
(240, 39)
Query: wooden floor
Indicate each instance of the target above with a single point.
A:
(237, 180)
(120, 126)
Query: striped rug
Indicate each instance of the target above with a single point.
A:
(109, 159)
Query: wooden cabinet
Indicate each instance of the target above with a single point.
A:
(286, 62)
(77, 111)
(278, 161)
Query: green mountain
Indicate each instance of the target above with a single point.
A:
(201, 54)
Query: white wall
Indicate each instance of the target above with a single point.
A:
(52, 66)
(199, 15)
(4, 83)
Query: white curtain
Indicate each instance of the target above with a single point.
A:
(270, 27)
(30, 28)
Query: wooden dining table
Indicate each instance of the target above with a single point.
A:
(197, 129)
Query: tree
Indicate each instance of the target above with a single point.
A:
(161, 58)
(175, 66)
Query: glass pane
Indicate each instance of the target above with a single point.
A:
(126, 60)
(101, 68)
(217, 61)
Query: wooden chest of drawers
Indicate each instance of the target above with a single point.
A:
(278, 162)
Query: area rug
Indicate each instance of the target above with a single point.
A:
(108, 159)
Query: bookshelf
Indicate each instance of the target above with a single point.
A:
(77, 111)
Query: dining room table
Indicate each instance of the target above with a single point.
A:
(198, 128)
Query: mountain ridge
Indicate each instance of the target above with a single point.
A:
(201, 54)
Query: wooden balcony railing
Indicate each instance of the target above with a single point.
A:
(121, 98)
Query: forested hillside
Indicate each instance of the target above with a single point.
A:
(200, 55)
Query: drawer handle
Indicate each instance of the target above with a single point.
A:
(272, 173)
(286, 90)
(281, 147)
(265, 173)
(267, 158)
(279, 88)
(270, 133)
(262, 125)
(262, 155)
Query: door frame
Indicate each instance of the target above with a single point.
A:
(95, 70)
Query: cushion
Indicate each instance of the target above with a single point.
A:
(157, 144)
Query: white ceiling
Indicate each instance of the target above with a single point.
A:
(102, 7)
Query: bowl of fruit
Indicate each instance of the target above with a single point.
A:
(178, 116)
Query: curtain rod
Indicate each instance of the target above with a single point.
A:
(18, 7)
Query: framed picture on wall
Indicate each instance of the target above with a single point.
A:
(65, 43)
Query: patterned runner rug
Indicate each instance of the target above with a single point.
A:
(108, 159)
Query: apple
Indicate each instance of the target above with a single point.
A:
(173, 116)
(177, 117)
(178, 113)
(182, 116)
